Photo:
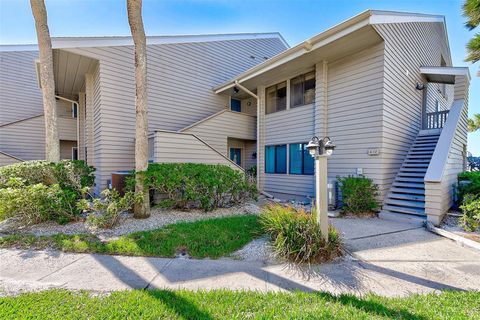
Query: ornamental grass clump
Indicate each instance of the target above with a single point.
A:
(295, 235)
(359, 195)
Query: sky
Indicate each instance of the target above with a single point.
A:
(296, 20)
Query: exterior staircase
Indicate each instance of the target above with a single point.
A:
(407, 194)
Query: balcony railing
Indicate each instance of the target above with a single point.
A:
(436, 120)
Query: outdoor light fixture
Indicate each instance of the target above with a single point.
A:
(420, 86)
(320, 150)
(235, 90)
(317, 147)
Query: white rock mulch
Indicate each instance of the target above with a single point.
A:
(127, 224)
(257, 250)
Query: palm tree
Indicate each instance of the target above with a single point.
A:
(52, 144)
(471, 11)
(134, 10)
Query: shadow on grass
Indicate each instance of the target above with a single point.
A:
(370, 307)
(182, 307)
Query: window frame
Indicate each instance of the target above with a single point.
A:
(302, 167)
(231, 105)
(303, 92)
(275, 169)
(276, 86)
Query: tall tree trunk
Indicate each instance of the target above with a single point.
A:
(134, 9)
(52, 144)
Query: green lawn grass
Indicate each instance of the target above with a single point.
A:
(223, 304)
(211, 238)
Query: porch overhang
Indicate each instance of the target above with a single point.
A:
(446, 75)
(335, 43)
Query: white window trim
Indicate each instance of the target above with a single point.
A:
(71, 156)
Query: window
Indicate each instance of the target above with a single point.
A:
(236, 105)
(302, 90)
(301, 162)
(74, 153)
(74, 110)
(276, 98)
(236, 155)
(276, 159)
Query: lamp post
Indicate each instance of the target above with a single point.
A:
(320, 150)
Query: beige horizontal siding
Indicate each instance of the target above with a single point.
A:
(24, 139)
(6, 160)
(226, 124)
(180, 82)
(408, 46)
(174, 147)
(66, 149)
(354, 98)
(20, 96)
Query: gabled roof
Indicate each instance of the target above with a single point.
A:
(368, 17)
(79, 42)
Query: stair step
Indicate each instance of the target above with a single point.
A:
(419, 160)
(411, 174)
(409, 185)
(405, 203)
(407, 190)
(420, 156)
(405, 196)
(409, 179)
(415, 211)
(422, 148)
(425, 142)
(415, 165)
(413, 169)
(419, 152)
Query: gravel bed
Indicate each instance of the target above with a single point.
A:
(127, 224)
(257, 250)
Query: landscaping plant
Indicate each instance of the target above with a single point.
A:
(104, 212)
(470, 219)
(199, 185)
(36, 203)
(359, 195)
(295, 235)
(36, 191)
(468, 183)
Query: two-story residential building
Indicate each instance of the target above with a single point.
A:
(381, 85)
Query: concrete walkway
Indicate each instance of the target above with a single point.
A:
(386, 257)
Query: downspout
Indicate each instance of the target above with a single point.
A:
(78, 118)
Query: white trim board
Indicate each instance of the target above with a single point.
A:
(81, 42)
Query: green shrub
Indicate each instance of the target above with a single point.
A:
(358, 195)
(74, 175)
(470, 219)
(104, 213)
(37, 203)
(296, 235)
(472, 187)
(202, 185)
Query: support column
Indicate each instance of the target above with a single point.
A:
(261, 138)
(81, 126)
(321, 99)
(89, 153)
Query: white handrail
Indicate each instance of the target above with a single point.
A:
(437, 165)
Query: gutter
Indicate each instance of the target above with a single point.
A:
(306, 46)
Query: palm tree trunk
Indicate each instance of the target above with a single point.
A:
(52, 144)
(134, 9)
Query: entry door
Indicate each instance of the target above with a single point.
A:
(236, 155)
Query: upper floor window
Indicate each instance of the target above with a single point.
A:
(236, 105)
(302, 89)
(276, 159)
(276, 98)
(74, 110)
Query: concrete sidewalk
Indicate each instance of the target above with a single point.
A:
(386, 257)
